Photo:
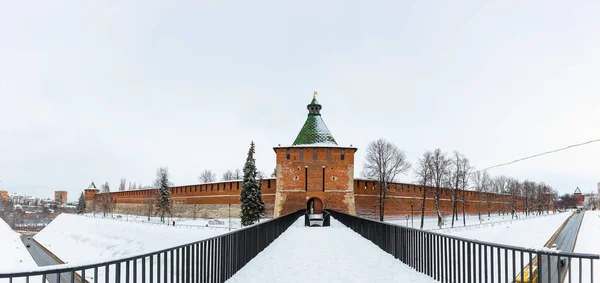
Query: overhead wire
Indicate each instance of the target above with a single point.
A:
(540, 154)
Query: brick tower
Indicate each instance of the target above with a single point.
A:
(90, 196)
(314, 173)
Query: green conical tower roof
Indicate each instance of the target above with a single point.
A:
(92, 185)
(314, 131)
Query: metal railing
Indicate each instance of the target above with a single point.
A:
(211, 260)
(325, 217)
(454, 259)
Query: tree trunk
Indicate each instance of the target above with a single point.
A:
(453, 209)
(437, 209)
(423, 208)
(381, 203)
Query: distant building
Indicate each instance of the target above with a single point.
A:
(579, 197)
(4, 195)
(60, 197)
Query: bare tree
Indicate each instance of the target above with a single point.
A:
(149, 202)
(207, 176)
(481, 183)
(105, 188)
(459, 169)
(514, 193)
(440, 170)
(383, 163)
(228, 176)
(591, 201)
(500, 188)
(237, 174)
(122, 184)
(528, 191)
(105, 199)
(424, 178)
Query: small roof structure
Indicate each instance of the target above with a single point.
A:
(314, 131)
(577, 191)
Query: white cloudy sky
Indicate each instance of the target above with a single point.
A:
(99, 90)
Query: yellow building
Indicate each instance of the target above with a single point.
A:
(3, 195)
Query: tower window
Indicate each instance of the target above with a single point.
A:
(343, 154)
(287, 154)
(301, 154)
(269, 183)
(323, 178)
(329, 154)
(314, 154)
(306, 178)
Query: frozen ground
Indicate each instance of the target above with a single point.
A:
(588, 243)
(78, 239)
(179, 222)
(13, 254)
(471, 220)
(328, 254)
(530, 233)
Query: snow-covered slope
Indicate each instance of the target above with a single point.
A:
(81, 240)
(530, 233)
(328, 254)
(13, 254)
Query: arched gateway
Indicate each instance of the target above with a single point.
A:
(314, 206)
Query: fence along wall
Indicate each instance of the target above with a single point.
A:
(454, 259)
(212, 260)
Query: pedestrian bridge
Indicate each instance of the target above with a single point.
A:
(285, 250)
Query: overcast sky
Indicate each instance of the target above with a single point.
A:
(103, 90)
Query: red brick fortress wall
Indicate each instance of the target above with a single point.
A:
(200, 195)
(405, 199)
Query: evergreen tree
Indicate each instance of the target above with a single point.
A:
(250, 196)
(163, 196)
(81, 204)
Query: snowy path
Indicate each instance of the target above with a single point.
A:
(329, 254)
(587, 242)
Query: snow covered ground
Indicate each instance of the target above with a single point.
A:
(182, 222)
(78, 239)
(328, 254)
(530, 233)
(13, 254)
(471, 220)
(588, 243)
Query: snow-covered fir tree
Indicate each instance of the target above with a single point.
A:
(81, 204)
(253, 206)
(163, 197)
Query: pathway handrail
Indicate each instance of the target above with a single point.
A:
(227, 254)
(450, 258)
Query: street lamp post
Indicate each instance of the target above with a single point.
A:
(229, 220)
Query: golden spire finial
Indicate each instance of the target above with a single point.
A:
(315, 94)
